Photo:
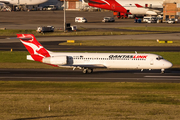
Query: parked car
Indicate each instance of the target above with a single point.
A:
(50, 7)
(108, 19)
(171, 21)
(80, 19)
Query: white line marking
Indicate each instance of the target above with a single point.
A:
(163, 76)
(159, 78)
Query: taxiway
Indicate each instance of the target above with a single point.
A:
(99, 75)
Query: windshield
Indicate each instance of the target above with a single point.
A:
(159, 58)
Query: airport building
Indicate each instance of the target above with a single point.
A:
(70, 4)
(171, 10)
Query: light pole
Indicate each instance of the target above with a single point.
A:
(64, 15)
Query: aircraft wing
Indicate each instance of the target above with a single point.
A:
(89, 65)
(5, 2)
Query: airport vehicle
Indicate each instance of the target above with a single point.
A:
(149, 19)
(135, 7)
(108, 19)
(45, 29)
(120, 15)
(49, 7)
(90, 61)
(171, 21)
(80, 19)
(23, 2)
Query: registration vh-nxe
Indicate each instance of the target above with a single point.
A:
(90, 61)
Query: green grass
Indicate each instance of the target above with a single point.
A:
(14, 32)
(162, 29)
(17, 59)
(10, 32)
(121, 43)
(89, 100)
(85, 31)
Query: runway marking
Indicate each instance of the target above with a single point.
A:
(163, 76)
(159, 78)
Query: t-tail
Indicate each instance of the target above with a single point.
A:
(36, 50)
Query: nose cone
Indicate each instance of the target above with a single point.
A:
(168, 65)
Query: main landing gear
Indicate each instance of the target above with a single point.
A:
(162, 71)
(87, 70)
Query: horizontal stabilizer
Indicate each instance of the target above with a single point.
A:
(25, 38)
(22, 38)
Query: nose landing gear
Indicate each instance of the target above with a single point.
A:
(162, 71)
(87, 70)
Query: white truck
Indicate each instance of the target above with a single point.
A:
(45, 29)
(149, 19)
(50, 7)
(80, 19)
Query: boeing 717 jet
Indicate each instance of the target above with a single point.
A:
(89, 61)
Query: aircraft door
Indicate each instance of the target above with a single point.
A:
(69, 60)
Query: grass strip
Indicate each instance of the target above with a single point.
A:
(9, 33)
(121, 43)
(85, 31)
(146, 28)
(89, 100)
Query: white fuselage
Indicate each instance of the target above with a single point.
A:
(133, 9)
(23, 2)
(114, 60)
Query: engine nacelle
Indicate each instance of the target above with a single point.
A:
(55, 60)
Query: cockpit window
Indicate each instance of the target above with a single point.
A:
(159, 58)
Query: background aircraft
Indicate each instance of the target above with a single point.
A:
(23, 2)
(8, 5)
(142, 7)
(90, 61)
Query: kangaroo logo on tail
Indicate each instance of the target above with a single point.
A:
(37, 51)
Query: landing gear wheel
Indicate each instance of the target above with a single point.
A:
(84, 71)
(90, 70)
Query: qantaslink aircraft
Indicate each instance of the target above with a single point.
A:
(90, 61)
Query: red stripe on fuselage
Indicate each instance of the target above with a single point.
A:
(108, 4)
(137, 5)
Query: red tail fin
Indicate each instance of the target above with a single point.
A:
(37, 51)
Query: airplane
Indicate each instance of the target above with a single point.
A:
(90, 61)
(134, 7)
(23, 2)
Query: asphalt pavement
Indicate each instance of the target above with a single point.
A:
(99, 75)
